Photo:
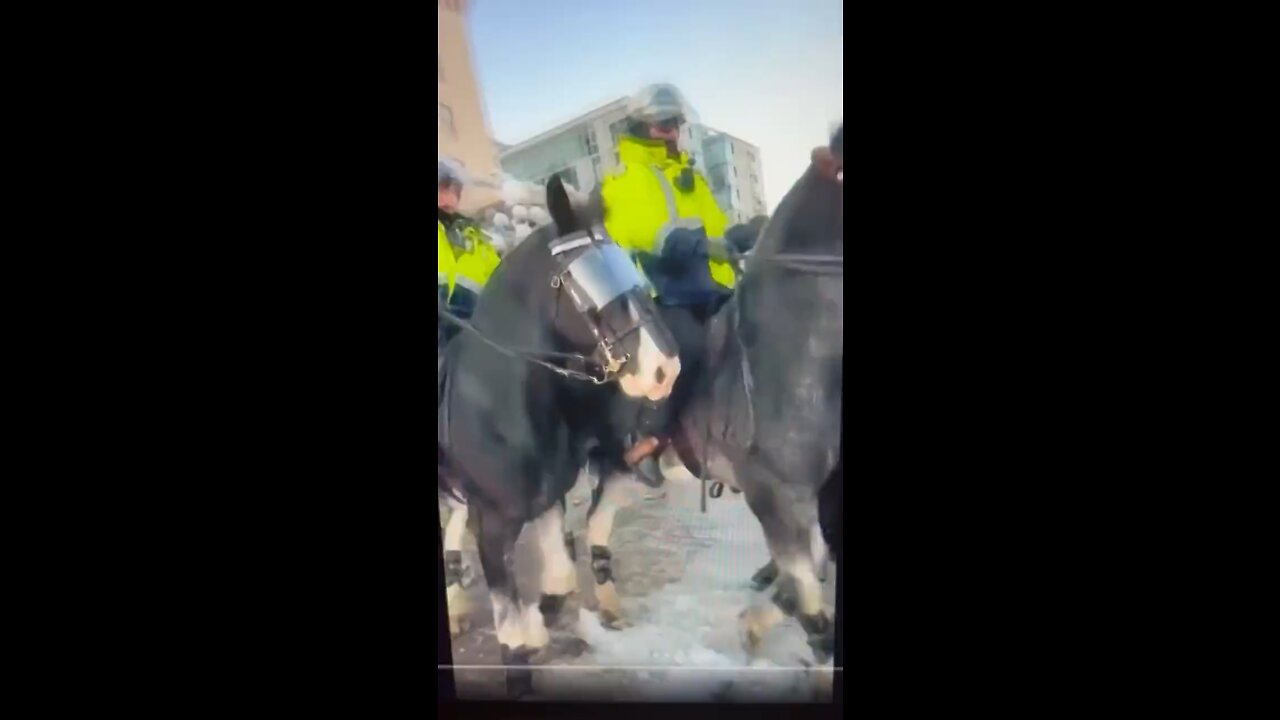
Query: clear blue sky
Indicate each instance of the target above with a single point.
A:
(768, 71)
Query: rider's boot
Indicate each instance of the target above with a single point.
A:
(643, 459)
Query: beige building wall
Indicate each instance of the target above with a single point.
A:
(462, 131)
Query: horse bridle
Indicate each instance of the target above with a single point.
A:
(594, 272)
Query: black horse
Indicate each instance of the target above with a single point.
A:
(765, 413)
(521, 416)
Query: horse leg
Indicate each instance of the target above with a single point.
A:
(615, 491)
(454, 571)
(519, 628)
(788, 514)
(559, 576)
(818, 545)
(568, 536)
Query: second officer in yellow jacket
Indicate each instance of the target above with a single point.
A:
(465, 259)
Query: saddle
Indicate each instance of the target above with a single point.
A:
(732, 388)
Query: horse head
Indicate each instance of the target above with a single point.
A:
(603, 309)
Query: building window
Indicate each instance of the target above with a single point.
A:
(590, 141)
(445, 116)
(715, 176)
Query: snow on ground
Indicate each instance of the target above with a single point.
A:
(684, 578)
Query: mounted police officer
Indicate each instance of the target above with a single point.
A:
(657, 207)
(464, 258)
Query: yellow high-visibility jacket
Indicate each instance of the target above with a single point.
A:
(643, 204)
(464, 259)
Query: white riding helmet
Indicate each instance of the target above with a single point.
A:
(656, 103)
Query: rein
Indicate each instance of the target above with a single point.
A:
(532, 357)
(807, 264)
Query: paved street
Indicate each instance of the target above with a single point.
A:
(683, 577)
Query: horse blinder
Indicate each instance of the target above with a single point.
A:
(597, 276)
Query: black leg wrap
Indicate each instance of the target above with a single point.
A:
(601, 565)
(765, 576)
(519, 676)
(571, 546)
(452, 567)
(551, 605)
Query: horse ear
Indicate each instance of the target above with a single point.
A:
(837, 143)
(559, 207)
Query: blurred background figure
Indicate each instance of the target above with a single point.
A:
(465, 256)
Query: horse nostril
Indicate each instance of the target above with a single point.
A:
(661, 375)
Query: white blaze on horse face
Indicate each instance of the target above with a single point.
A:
(652, 373)
(558, 574)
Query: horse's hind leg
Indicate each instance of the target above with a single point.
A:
(519, 628)
(788, 514)
(615, 491)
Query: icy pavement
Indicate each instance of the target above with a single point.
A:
(683, 577)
